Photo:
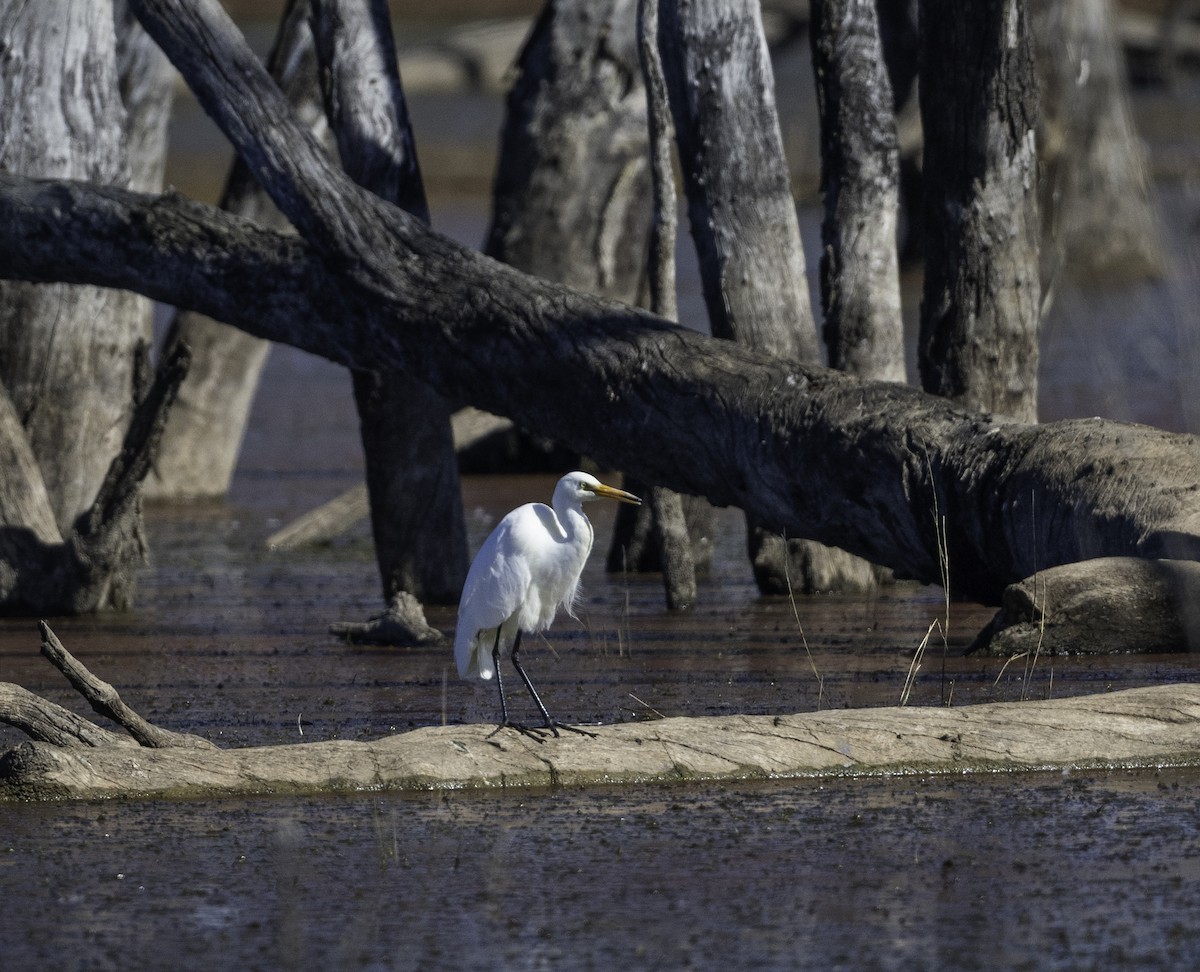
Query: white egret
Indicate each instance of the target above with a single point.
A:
(527, 567)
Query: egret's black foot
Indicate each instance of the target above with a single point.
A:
(555, 726)
(534, 732)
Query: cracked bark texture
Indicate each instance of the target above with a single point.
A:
(860, 180)
(869, 465)
(68, 351)
(981, 302)
(207, 425)
(412, 469)
(743, 221)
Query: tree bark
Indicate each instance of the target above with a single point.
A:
(94, 565)
(571, 188)
(860, 178)
(981, 303)
(744, 224)
(658, 534)
(870, 465)
(68, 352)
(412, 470)
(875, 467)
(208, 423)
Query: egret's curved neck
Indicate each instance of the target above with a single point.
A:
(570, 515)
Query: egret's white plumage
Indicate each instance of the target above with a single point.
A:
(526, 569)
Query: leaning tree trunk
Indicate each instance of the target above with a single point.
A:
(1101, 223)
(66, 353)
(207, 425)
(744, 224)
(412, 469)
(980, 308)
(881, 468)
(860, 182)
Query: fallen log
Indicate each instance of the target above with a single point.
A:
(1152, 726)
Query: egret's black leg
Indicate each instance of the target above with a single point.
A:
(551, 724)
(505, 722)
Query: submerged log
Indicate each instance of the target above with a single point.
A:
(1137, 727)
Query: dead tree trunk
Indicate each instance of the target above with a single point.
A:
(744, 224)
(981, 302)
(1101, 223)
(668, 522)
(860, 182)
(208, 423)
(66, 353)
(412, 469)
(876, 467)
(570, 195)
(573, 183)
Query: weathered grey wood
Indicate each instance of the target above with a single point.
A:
(657, 535)
(743, 220)
(411, 466)
(872, 466)
(208, 423)
(860, 183)
(67, 352)
(1108, 606)
(47, 722)
(94, 565)
(981, 302)
(107, 701)
(572, 186)
(1137, 727)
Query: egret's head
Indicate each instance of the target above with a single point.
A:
(583, 487)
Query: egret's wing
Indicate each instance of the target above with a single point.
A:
(495, 587)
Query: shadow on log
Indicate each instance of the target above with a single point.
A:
(1137, 727)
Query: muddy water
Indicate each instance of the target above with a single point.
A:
(1032, 871)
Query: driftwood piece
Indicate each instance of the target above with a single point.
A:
(107, 701)
(1109, 605)
(1137, 727)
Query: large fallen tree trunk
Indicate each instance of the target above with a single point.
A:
(73, 759)
(874, 468)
